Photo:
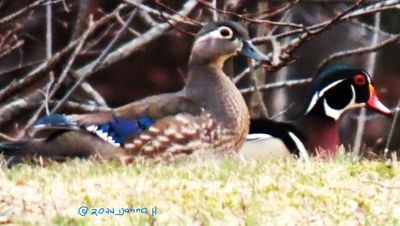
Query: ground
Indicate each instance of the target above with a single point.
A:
(225, 192)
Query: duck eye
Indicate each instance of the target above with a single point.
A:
(360, 80)
(226, 32)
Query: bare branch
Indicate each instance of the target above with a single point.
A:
(10, 17)
(178, 17)
(49, 41)
(276, 85)
(12, 48)
(132, 46)
(61, 79)
(357, 51)
(97, 63)
(379, 7)
(14, 109)
(392, 129)
(42, 68)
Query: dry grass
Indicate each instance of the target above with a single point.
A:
(229, 192)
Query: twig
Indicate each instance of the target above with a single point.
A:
(274, 117)
(98, 62)
(296, 43)
(275, 12)
(246, 71)
(392, 129)
(378, 7)
(147, 18)
(42, 68)
(91, 92)
(62, 78)
(361, 50)
(9, 50)
(178, 17)
(176, 27)
(122, 22)
(83, 13)
(371, 28)
(132, 46)
(49, 41)
(214, 12)
(252, 20)
(12, 110)
(14, 15)
(276, 85)
(371, 68)
(47, 93)
(258, 95)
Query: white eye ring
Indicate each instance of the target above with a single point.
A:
(225, 32)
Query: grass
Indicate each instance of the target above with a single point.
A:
(228, 192)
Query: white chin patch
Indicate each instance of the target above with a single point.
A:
(336, 113)
(331, 112)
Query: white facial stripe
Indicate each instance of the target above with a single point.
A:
(216, 34)
(302, 149)
(313, 102)
(336, 113)
(319, 94)
(322, 92)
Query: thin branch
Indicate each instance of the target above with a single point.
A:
(14, 109)
(83, 13)
(49, 41)
(246, 71)
(371, 64)
(379, 7)
(258, 95)
(357, 51)
(276, 85)
(275, 12)
(134, 45)
(44, 67)
(296, 43)
(392, 129)
(178, 17)
(12, 48)
(62, 78)
(131, 30)
(14, 15)
(252, 20)
(214, 12)
(98, 62)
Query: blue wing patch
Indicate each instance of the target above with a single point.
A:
(118, 130)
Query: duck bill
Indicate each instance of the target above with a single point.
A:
(375, 103)
(249, 50)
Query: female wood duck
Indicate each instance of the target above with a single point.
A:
(333, 91)
(208, 114)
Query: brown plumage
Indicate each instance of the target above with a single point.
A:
(209, 114)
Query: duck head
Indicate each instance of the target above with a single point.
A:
(218, 41)
(340, 88)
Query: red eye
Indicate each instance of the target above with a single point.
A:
(360, 80)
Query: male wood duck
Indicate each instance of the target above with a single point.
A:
(333, 91)
(209, 113)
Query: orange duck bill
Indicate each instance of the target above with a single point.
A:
(375, 103)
